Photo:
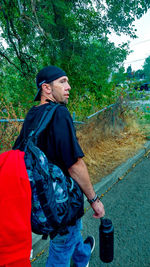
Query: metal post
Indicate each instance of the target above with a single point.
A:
(73, 115)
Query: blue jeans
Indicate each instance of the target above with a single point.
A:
(71, 245)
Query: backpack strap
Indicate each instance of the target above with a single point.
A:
(46, 118)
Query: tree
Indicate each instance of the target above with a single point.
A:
(146, 68)
(71, 34)
(139, 74)
(129, 72)
(119, 76)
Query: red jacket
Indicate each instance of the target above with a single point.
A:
(15, 208)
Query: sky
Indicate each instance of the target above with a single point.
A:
(140, 45)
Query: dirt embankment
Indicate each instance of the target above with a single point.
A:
(106, 142)
(105, 151)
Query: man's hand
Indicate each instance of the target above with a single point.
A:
(79, 172)
(98, 208)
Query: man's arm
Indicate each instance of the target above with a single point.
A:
(79, 173)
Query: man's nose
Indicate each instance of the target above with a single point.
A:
(68, 87)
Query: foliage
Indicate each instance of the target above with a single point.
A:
(129, 72)
(70, 34)
(119, 77)
(8, 130)
(146, 68)
(139, 74)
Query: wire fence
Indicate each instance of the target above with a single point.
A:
(11, 120)
(73, 116)
(109, 119)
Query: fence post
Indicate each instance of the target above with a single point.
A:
(73, 115)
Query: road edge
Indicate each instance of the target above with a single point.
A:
(121, 170)
(100, 188)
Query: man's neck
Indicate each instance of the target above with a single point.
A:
(45, 101)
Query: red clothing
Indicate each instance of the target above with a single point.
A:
(15, 208)
(20, 263)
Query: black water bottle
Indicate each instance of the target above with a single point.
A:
(106, 240)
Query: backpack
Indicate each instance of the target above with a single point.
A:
(57, 200)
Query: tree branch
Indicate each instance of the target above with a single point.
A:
(10, 27)
(7, 58)
(36, 17)
(9, 33)
(20, 9)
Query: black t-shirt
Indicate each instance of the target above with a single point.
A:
(58, 141)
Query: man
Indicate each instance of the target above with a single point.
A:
(60, 145)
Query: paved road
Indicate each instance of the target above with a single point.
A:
(127, 204)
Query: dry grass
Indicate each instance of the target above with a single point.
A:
(103, 153)
(105, 147)
(8, 134)
(8, 130)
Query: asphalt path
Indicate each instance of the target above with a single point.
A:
(127, 204)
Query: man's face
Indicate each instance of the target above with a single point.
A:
(60, 90)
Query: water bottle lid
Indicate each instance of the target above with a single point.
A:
(106, 223)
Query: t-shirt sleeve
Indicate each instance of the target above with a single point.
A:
(66, 145)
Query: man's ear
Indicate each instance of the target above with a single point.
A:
(46, 88)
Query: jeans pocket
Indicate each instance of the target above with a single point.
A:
(59, 239)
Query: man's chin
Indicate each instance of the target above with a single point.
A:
(65, 102)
